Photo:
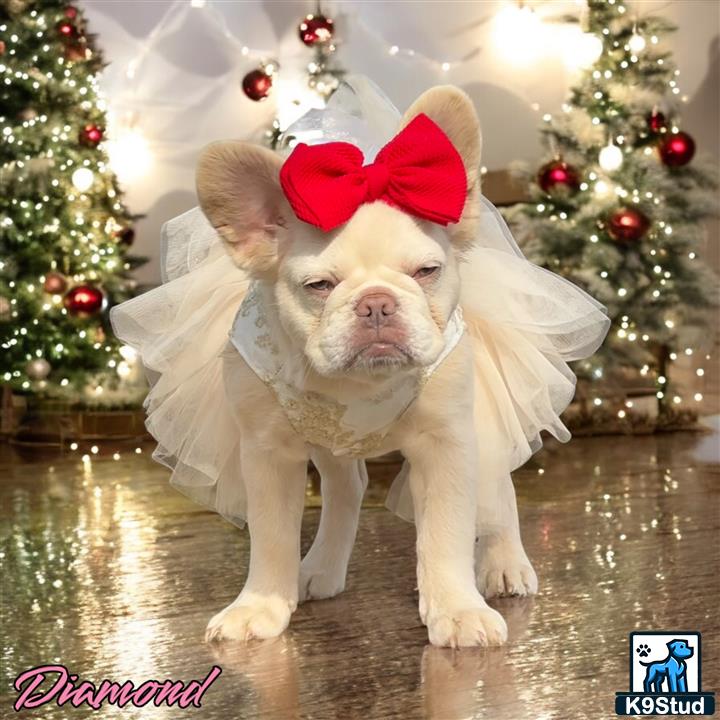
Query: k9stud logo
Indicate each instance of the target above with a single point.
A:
(665, 676)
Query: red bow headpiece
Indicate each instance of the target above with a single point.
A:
(419, 171)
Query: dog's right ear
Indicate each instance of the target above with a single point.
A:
(451, 109)
(239, 192)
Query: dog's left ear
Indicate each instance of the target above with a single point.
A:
(451, 109)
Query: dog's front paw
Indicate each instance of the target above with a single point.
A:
(503, 568)
(251, 616)
(467, 627)
(318, 582)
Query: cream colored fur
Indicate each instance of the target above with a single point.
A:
(380, 247)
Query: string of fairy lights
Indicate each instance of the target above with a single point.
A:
(518, 34)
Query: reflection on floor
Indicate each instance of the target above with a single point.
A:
(110, 572)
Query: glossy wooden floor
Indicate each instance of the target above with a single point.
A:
(109, 571)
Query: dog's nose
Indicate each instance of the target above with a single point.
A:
(376, 305)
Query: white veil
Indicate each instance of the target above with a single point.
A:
(525, 324)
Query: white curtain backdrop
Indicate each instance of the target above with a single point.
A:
(175, 70)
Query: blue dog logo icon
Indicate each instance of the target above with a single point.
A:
(665, 676)
(671, 672)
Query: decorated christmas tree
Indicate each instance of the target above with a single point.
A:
(618, 208)
(64, 231)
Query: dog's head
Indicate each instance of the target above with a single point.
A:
(679, 649)
(373, 295)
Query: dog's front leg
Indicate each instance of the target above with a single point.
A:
(442, 482)
(275, 484)
(682, 683)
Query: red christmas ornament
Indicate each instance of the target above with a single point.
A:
(2, 47)
(316, 30)
(71, 12)
(677, 149)
(627, 225)
(257, 84)
(558, 176)
(91, 134)
(55, 283)
(84, 300)
(656, 121)
(67, 29)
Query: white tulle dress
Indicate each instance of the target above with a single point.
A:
(525, 322)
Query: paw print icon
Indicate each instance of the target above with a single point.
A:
(643, 650)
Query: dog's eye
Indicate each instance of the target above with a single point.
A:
(425, 272)
(320, 285)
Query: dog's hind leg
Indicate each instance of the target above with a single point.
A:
(343, 484)
(501, 564)
(651, 683)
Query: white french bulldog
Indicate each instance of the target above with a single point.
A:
(351, 310)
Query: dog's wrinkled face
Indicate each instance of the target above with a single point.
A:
(371, 297)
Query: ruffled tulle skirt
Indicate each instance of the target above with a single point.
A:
(525, 323)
